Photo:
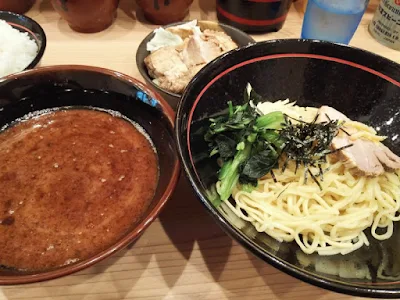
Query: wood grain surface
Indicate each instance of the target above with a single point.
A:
(183, 254)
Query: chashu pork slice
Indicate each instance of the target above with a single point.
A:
(165, 61)
(173, 67)
(166, 65)
(365, 157)
(198, 51)
(220, 38)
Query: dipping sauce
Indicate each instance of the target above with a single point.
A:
(72, 183)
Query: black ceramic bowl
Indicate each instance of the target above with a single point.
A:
(60, 86)
(364, 86)
(238, 36)
(254, 16)
(34, 30)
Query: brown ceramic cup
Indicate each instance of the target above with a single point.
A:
(164, 11)
(16, 6)
(87, 16)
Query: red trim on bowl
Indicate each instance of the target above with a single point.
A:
(276, 56)
(250, 22)
(269, 57)
(25, 29)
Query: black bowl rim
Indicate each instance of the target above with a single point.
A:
(236, 234)
(143, 43)
(41, 33)
(136, 232)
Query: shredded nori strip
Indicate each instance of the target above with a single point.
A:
(308, 144)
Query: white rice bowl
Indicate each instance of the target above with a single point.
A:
(17, 49)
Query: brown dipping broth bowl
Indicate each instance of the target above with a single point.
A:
(238, 36)
(16, 6)
(163, 12)
(87, 16)
(48, 87)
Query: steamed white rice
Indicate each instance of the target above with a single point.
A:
(17, 49)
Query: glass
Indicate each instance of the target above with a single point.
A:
(332, 20)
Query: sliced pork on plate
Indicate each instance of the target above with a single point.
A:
(173, 65)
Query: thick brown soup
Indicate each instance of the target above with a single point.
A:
(72, 182)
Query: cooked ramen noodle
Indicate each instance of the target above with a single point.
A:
(330, 221)
(359, 190)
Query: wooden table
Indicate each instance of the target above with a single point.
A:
(184, 254)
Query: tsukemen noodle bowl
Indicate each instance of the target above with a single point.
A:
(292, 146)
(87, 162)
